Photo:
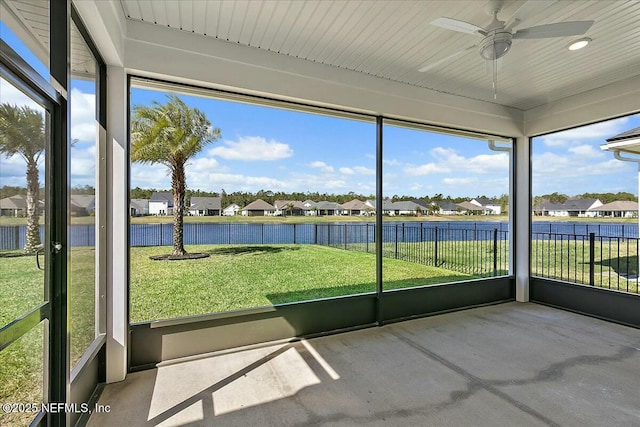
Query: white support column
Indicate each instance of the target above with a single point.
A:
(523, 218)
(117, 210)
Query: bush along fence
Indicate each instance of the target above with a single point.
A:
(603, 261)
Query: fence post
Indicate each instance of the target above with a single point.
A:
(344, 235)
(328, 234)
(262, 233)
(495, 251)
(367, 236)
(592, 252)
(161, 234)
(396, 241)
(421, 232)
(315, 234)
(17, 236)
(403, 232)
(294, 233)
(435, 249)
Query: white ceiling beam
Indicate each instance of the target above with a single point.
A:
(607, 102)
(105, 22)
(180, 56)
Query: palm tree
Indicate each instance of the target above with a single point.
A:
(22, 132)
(170, 134)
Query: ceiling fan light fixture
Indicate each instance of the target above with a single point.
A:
(495, 46)
(579, 44)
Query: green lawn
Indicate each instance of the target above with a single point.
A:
(21, 290)
(240, 276)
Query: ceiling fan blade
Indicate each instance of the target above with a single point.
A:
(560, 29)
(459, 26)
(446, 59)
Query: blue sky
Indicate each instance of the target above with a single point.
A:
(266, 148)
(83, 124)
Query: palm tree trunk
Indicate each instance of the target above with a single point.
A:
(33, 213)
(178, 180)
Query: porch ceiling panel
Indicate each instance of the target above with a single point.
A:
(393, 39)
(29, 20)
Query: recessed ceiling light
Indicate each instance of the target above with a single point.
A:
(579, 44)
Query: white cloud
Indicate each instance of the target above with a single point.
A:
(586, 152)
(11, 95)
(362, 170)
(83, 116)
(459, 181)
(599, 131)
(391, 162)
(321, 165)
(202, 164)
(426, 169)
(244, 182)
(482, 163)
(347, 171)
(252, 148)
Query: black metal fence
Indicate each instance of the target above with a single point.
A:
(603, 261)
(13, 237)
(477, 252)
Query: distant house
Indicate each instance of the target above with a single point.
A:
(617, 209)
(405, 208)
(13, 206)
(288, 207)
(490, 206)
(161, 203)
(386, 206)
(470, 208)
(356, 207)
(231, 210)
(139, 207)
(329, 208)
(572, 207)
(82, 204)
(310, 208)
(205, 206)
(447, 208)
(258, 208)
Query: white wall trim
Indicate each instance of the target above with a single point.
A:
(117, 209)
(522, 219)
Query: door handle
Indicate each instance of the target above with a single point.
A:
(39, 250)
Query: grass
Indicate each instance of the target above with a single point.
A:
(615, 262)
(240, 276)
(21, 290)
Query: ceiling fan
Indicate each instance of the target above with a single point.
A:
(498, 36)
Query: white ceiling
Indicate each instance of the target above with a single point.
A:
(29, 19)
(393, 39)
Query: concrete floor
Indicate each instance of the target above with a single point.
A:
(506, 365)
